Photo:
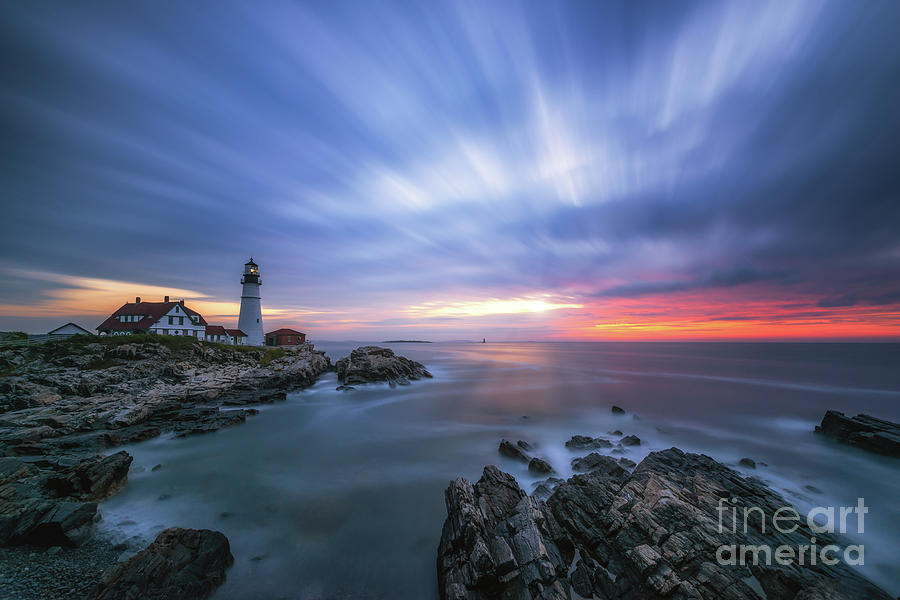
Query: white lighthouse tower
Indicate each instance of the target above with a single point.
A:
(250, 321)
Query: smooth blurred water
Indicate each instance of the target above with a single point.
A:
(340, 494)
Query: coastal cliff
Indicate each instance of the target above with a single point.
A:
(92, 393)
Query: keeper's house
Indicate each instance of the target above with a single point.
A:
(167, 318)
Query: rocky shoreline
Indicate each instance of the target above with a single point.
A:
(64, 403)
(80, 395)
(652, 533)
(613, 530)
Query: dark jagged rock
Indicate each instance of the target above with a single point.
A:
(511, 450)
(651, 534)
(585, 442)
(630, 440)
(747, 462)
(491, 544)
(180, 563)
(539, 466)
(598, 462)
(370, 364)
(862, 431)
(50, 502)
(617, 410)
(545, 489)
(627, 463)
(525, 445)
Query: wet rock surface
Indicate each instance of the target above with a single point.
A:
(862, 431)
(649, 534)
(630, 440)
(597, 462)
(539, 466)
(585, 442)
(52, 501)
(372, 364)
(180, 563)
(515, 451)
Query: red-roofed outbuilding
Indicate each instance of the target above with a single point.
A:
(285, 337)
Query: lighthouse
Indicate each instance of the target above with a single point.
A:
(250, 321)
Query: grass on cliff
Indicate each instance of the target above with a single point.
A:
(175, 343)
(272, 354)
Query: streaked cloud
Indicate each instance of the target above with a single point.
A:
(527, 170)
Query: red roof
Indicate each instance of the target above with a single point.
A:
(215, 330)
(236, 333)
(284, 331)
(152, 311)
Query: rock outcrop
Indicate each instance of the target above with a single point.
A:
(608, 534)
(539, 466)
(598, 462)
(180, 563)
(585, 442)
(67, 396)
(372, 364)
(515, 451)
(52, 502)
(536, 465)
(862, 431)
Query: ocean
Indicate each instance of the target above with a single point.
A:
(340, 494)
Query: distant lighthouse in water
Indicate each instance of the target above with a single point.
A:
(250, 321)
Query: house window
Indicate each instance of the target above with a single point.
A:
(181, 320)
(171, 320)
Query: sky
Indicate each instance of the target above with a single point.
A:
(457, 170)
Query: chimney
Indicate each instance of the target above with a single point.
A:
(137, 300)
(166, 299)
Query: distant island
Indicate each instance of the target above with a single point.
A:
(406, 342)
